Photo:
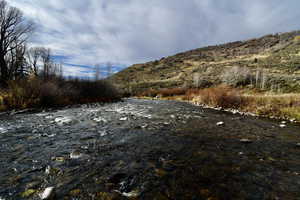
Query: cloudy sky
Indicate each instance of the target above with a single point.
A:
(82, 33)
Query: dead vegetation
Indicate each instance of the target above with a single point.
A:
(33, 93)
(285, 106)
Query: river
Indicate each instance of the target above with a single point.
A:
(145, 149)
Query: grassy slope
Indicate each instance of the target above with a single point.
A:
(278, 55)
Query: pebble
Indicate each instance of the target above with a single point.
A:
(220, 123)
(245, 140)
(298, 144)
(48, 193)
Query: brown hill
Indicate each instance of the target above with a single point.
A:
(277, 57)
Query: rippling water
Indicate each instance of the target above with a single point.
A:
(126, 149)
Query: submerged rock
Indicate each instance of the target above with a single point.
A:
(245, 140)
(123, 119)
(76, 155)
(63, 120)
(220, 123)
(282, 125)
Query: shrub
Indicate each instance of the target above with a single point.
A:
(237, 76)
(56, 92)
(297, 39)
(220, 96)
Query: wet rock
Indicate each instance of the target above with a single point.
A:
(48, 193)
(173, 116)
(76, 155)
(245, 140)
(63, 120)
(220, 123)
(58, 159)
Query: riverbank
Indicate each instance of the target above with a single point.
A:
(250, 102)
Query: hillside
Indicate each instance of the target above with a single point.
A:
(277, 56)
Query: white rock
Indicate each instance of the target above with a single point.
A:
(103, 133)
(62, 120)
(220, 123)
(245, 140)
(283, 122)
(123, 119)
(48, 193)
(75, 155)
(48, 169)
(282, 125)
(173, 116)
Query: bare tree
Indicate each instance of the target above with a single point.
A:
(14, 32)
(97, 72)
(47, 63)
(33, 56)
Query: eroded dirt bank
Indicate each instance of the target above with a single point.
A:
(144, 149)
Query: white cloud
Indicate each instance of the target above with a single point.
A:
(132, 31)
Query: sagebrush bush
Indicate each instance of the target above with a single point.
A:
(220, 96)
(237, 76)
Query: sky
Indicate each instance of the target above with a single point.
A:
(82, 33)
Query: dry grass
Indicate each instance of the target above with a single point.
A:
(275, 105)
(263, 104)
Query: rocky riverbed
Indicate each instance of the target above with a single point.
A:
(143, 149)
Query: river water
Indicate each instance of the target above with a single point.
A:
(146, 149)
